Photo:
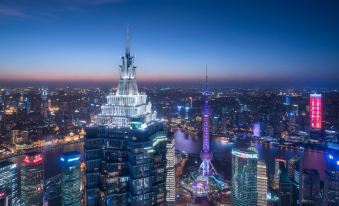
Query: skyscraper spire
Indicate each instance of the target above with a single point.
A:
(127, 41)
(127, 104)
(206, 82)
(205, 92)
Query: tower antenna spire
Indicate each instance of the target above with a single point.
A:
(127, 40)
(206, 83)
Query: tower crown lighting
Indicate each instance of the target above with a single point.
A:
(127, 107)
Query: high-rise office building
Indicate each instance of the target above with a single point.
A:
(315, 111)
(287, 100)
(170, 178)
(331, 188)
(32, 179)
(310, 192)
(9, 184)
(244, 177)
(261, 183)
(285, 186)
(52, 188)
(331, 182)
(71, 178)
(125, 148)
(295, 175)
(276, 178)
(292, 166)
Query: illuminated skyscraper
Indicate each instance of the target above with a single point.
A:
(125, 148)
(285, 186)
(52, 188)
(170, 178)
(331, 186)
(244, 177)
(315, 111)
(287, 100)
(295, 175)
(8, 184)
(261, 183)
(71, 178)
(276, 178)
(32, 179)
(310, 192)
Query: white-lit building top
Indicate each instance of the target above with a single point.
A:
(127, 107)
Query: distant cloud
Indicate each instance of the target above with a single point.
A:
(20, 9)
(7, 11)
(98, 1)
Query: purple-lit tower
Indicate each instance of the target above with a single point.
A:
(204, 180)
(206, 167)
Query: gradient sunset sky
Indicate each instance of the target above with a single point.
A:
(82, 40)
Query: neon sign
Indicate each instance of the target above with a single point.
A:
(32, 160)
(70, 160)
(315, 111)
(244, 155)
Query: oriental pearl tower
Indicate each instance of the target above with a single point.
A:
(206, 168)
(204, 180)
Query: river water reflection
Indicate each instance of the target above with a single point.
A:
(192, 145)
(222, 154)
(52, 163)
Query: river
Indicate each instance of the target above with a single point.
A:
(222, 154)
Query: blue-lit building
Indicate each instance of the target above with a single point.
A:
(244, 177)
(71, 179)
(9, 184)
(125, 147)
(331, 183)
(287, 100)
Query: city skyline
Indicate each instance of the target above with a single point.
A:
(169, 102)
(285, 43)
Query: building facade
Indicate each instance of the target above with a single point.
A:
(71, 179)
(9, 184)
(285, 186)
(32, 179)
(331, 183)
(170, 178)
(276, 178)
(244, 177)
(52, 188)
(311, 187)
(295, 175)
(262, 183)
(315, 111)
(125, 147)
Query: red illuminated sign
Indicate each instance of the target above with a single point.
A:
(32, 160)
(315, 111)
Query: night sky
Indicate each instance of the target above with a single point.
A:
(240, 41)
